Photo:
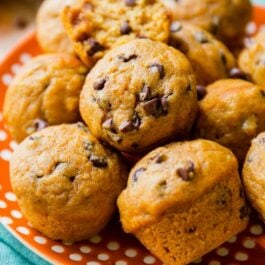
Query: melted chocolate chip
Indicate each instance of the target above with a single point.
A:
(39, 124)
(223, 58)
(201, 91)
(125, 28)
(237, 74)
(39, 176)
(97, 161)
(262, 93)
(128, 58)
(130, 2)
(200, 37)
(187, 172)
(126, 126)
(175, 26)
(145, 94)
(108, 124)
(72, 179)
(156, 67)
(191, 229)
(244, 212)
(95, 46)
(137, 173)
(160, 159)
(136, 120)
(99, 84)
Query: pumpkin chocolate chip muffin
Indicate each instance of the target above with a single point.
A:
(51, 34)
(139, 95)
(253, 174)
(226, 19)
(252, 59)
(232, 113)
(210, 59)
(97, 26)
(45, 92)
(183, 200)
(66, 182)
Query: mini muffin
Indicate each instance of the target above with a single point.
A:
(232, 113)
(139, 95)
(66, 182)
(252, 59)
(51, 34)
(97, 26)
(210, 58)
(225, 19)
(183, 200)
(45, 92)
(253, 174)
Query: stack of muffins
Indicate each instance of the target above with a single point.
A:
(151, 79)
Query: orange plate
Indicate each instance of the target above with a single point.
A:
(112, 246)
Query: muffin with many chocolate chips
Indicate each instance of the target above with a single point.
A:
(252, 59)
(253, 174)
(51, 34)
(139, 95)
(232, 113)
(210, 58)
(226, 19)
(97, 26)
(66, 182)
(45, 92)
(183, 200)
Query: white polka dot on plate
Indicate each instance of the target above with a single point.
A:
(67, 243)
(240, 256)
(113, 245)
(75, 257)
(120, 262)
(85, 249)
(256, 230)
(222, 252)
(25, 57)
(149, 260)
(7, 79)
(6, 154)
(131, 253)
(15, 68)
(214, 262)
(2, 204)
(13, 145)
(16, 214)
(232, 239)
(3, 135)
(23, 230)
(249, 243)
(57, 249)
(95, 239)
(10, 196)
(103, 256)
(92, 263)
(40, 240)
(251, 28)
(6, 220)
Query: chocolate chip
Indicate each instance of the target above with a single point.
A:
(160, 159)
(95, 46)
(126, 126)
(200, 37)
(21, 23)
(215, 24)
(223, 58)
(72, 179)
(39, 124)
(164, 105)
(244, 212)
(175, 26)
(39, 176)
(108, 124)
(136, 120)
(130, 2)
(191, 229)
(145, 93)
(137, 173)
(262, 93)
(128, 58)
(156, 67)
(237, 74)
(97, 161)
(151, 107)
(99, 84)
(241, 193)
(201, 91)
(187, 172)
(125, 28)
(82, 37)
